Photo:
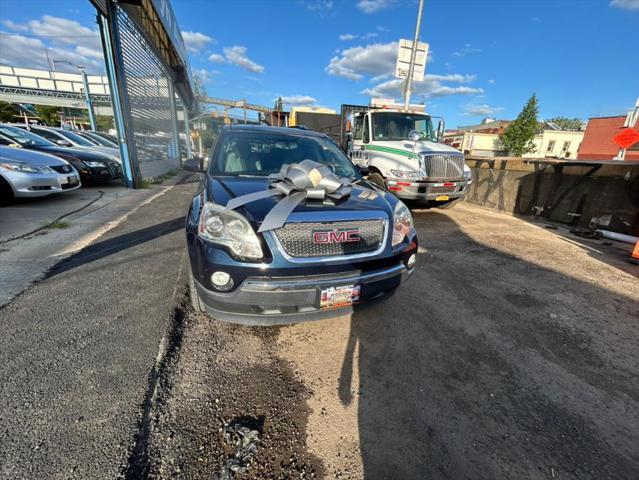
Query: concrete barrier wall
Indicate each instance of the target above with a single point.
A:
(567, 192)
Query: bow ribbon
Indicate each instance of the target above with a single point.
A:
(297, 182)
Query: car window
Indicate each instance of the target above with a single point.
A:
(261, 153)
(75, 138)
(46, 134)
(23, 137)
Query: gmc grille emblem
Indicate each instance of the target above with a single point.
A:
(343, 235)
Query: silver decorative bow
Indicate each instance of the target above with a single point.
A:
(297, 182)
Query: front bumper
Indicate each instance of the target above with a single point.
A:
(41, 184)
(428, 190)
(263, 300)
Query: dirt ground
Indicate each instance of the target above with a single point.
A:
(513, 352)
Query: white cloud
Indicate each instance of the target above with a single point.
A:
(625, 4)
(216, 58)
(16, 27)
(480, 110)
(431, 86)
(320, 6)
(382, 29)
(65, 40)
(295, 100)
(196, 41)
(368, 36)
(346, 37)
(354, 63)
(491, 81)
(372, 6)
(468, 48)
(236, 55)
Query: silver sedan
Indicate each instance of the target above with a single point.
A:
(26, 173)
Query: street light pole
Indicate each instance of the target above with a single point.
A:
(87, 95)
(413, 56)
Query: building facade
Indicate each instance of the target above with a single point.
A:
(598, 143)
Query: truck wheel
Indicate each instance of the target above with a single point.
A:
(448, 204)
(194, 296)
(377, 179)
(6, 194)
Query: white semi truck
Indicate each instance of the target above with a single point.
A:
(404, 152)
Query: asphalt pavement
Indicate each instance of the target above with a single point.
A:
(77, 348)
(513, 352)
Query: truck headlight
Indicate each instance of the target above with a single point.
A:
(26, 168)
(230, 229)
(407, 174)
(402, 223)
(468, 173)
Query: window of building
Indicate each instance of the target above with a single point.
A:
(551, 146)
(566, 147)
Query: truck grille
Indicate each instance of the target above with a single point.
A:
(444, 166)
(299, 239)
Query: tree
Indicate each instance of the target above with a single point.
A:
(518, 137)
(49, 115)
(568, 124)
(104, 123)
(7, 112)
(278, 107)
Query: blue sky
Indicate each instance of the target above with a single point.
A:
(581, 58)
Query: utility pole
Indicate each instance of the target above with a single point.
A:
(413, 56)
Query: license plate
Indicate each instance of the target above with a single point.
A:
(335, 297)
(73, 179)
(441, 198)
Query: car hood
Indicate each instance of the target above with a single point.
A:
(74, 152)
(222, 189)
(17, 154)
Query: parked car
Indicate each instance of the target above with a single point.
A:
(93, 166)
(96, 139)
(255, 264)
(67, 138)
(106, 136)
(26, 173)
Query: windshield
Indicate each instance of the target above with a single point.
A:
(261, 153)
(397, 125)
(98, 140)
(75, 138)
(24, 137)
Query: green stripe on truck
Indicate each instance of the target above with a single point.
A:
(396, 151)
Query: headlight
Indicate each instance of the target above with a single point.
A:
(408, 174)
(230, 229)
(468, 173)
(402, 223)
(90, 163)
(26, 168)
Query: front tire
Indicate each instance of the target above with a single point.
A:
(196, 302)
(377, 179)
(6, 194)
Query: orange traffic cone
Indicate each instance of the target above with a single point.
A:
(635, 252)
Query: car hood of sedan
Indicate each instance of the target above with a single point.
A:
(31, 157)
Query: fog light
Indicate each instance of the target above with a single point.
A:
(221, 280)
(411, 260)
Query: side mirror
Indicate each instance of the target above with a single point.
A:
(193, 165)
(363, 170)
(441, 128)
(414, 136)
(63, 143)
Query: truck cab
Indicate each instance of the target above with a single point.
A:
(403, 152)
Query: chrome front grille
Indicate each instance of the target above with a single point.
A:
(301, 239)
(444, 166)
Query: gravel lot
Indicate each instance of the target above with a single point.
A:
(512, 353)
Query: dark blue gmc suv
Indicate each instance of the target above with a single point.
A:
(285, 229)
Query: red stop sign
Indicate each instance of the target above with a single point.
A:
(626, 138)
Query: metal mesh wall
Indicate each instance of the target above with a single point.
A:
(153, 112)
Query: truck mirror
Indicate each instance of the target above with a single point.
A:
(441, 128)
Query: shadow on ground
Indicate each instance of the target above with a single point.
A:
(487, 366)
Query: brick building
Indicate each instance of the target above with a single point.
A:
(598, 141)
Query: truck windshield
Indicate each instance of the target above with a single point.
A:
(263, 153)
(397, 125)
